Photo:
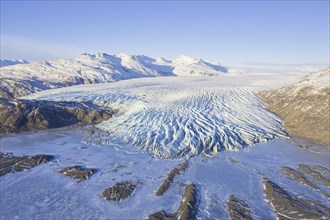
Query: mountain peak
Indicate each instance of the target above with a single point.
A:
(102, 55)
(162, 60)
(124, 55)
(186, 60)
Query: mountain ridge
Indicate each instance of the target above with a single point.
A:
(20, 80)
(7, 62)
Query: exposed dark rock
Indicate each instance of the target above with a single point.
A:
(321, 169)
(77, 172)
(176, 171)
(301, 175)
(7, 160)
(287, 206)
(187, 210)
(238, 209)
(162, 215)
(12, 164)
(314, 171)
(189, 204)
(27, 115)
(298, 176)
(232, 161)
(120, 191)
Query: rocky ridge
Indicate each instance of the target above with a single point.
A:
(13, 164)
(187, 210)
(288, 206)
(27, 115)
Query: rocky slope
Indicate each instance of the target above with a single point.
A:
(20, 80)
(13, 164)
(304, 106)
(26, 115)
(288, 206)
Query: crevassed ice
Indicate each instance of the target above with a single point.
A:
(174, 120)
(198, 122)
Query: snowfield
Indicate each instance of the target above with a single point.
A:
(43, 193)
(180, 116)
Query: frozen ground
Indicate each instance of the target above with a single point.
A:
(43, 193)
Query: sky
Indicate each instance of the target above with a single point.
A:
(231, 32)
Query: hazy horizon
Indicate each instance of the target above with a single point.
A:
(233, 33)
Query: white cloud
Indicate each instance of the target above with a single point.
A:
(13, 47)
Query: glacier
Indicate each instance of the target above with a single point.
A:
(174, 117)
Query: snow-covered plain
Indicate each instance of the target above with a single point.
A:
(43, 193)
(180, 116)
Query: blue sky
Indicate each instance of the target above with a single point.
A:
(232, 32)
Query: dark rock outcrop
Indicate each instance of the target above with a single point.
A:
(7, 160)
(170, 177)
(77, 172)
(298, 176)
(316, 173)
(238, 209)
(13, 164)
(287, 206)
(187, 210)
(120, 191)
(27, 115)
(308, 176)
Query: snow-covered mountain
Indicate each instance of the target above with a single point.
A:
(318, 80)
(4, 62)
(25, 79)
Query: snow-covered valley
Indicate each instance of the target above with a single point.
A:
(209, 134)
(164, 110)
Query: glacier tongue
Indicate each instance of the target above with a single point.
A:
(176, 119)
(201, 122)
